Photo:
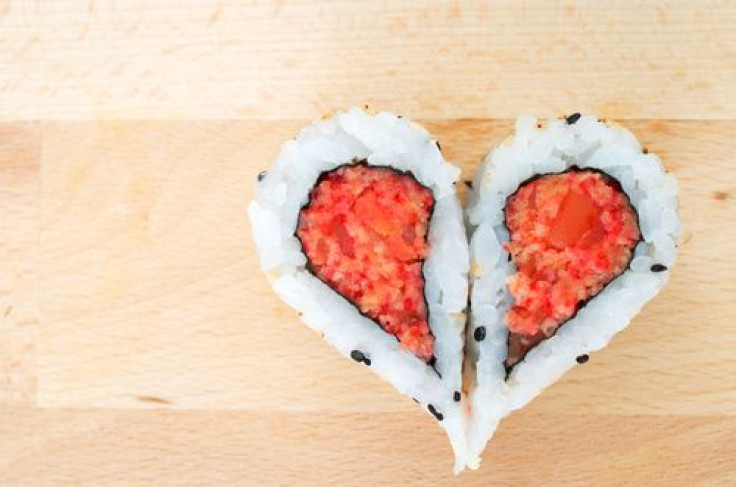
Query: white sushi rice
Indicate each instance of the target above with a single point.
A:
(587, 143)
(382, 140)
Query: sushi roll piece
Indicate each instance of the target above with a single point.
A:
(574, 230)
(358, 225)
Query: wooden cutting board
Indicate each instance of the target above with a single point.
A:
(141, 345)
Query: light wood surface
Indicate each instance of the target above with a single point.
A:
(141, 345)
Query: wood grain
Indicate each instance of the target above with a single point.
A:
(140, 344)
(281, 60)
(198, 448)
(20, 160)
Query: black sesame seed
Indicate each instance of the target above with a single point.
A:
(435, 413)
(415, 400)
(572, 118)
(658, 268)
(645, 150)
(469, 184)
(438, 144)
(367, 361)
(480, 334)
(262, 175)
(357, 355)
(456, 396)
(581, 359)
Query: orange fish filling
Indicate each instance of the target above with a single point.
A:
(364, 232)
(570, 235)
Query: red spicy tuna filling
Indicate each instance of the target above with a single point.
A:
(570, 235)
(364, 233)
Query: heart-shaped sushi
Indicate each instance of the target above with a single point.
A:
(359, 227)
